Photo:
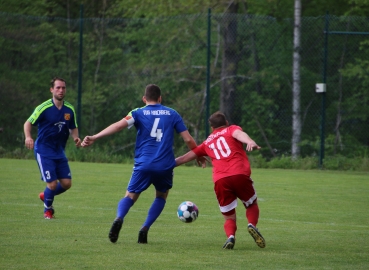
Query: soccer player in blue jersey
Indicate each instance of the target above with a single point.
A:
(56, 121)
(154, 158)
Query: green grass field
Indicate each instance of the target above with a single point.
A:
(310, 220)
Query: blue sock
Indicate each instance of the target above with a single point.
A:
(154, 212)
(123, 207)
(59, 189)
(48, 197)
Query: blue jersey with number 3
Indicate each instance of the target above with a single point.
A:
(155, 126)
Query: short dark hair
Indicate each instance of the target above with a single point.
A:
(52, 82)
(217, 119)
(152, 92)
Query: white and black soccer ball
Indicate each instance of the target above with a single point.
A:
(187, 212)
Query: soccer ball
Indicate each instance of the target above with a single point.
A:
(187, 212)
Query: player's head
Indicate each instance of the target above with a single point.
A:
(58, 88)
(152, 93)
(52, 83)
(217, 120)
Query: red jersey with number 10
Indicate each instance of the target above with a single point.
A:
(227, 154)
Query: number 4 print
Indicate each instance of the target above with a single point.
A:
(155, 132)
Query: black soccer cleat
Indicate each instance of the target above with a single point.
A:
(115, 229)
(259, 239)
(142, 237)
(229, 244)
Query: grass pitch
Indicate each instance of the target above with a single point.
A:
(310, 220)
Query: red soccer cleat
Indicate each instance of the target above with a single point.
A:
(49, 214)
(41, 196)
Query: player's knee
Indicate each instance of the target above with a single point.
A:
(230, 214)
(52, 185)
(66, 184)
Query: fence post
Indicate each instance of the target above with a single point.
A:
(79, 111)
(322, 125)
(208, 77)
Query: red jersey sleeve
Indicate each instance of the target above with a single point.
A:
(200, 150)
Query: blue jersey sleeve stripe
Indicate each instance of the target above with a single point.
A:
(130, 113)
(39, 109)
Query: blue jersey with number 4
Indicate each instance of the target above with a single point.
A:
(155, 126)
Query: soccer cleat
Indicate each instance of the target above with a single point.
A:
(49, 214)
(41, 196)
(142, 237)
(115, 229)
(229, 244)
(259, 239)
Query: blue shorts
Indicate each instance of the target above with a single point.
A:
(141, 180)
(53, 169)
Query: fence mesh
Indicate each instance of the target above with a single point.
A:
(250, 75)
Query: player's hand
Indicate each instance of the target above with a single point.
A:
(201, 161)
(252, 146)
(77, 141)
(29, 143)
(87, 141)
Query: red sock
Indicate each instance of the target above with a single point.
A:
(230, 227)
(252, 214)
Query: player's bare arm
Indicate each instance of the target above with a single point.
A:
(29, 143)
(189, 140)
(190, 155)
(113, 128)
(75, 135)
(244, 138)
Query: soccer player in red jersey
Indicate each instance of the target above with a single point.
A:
(231, 174)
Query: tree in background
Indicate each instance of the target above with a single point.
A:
(296, 106)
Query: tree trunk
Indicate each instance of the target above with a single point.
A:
(229, 63)
(296, 110)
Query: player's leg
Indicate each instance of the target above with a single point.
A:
(154, 212)
(63, 173)
(48, 175)
(49, 194)
(135, 186)
(227, 203)
(122, 210)
(247, 194)
(63, 185)
(230, 228)
(162, 181)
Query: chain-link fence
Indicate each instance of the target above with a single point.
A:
(250, 75)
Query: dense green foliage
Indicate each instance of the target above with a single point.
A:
(122, 53)
(103, 154)
(303, 218)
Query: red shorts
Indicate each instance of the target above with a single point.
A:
(230, 188)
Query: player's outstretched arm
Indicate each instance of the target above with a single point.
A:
(190, 155)
(244, 138)
(189, 140)
(113, 128)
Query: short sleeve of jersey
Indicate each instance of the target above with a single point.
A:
(233, 128)
(200, 150)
